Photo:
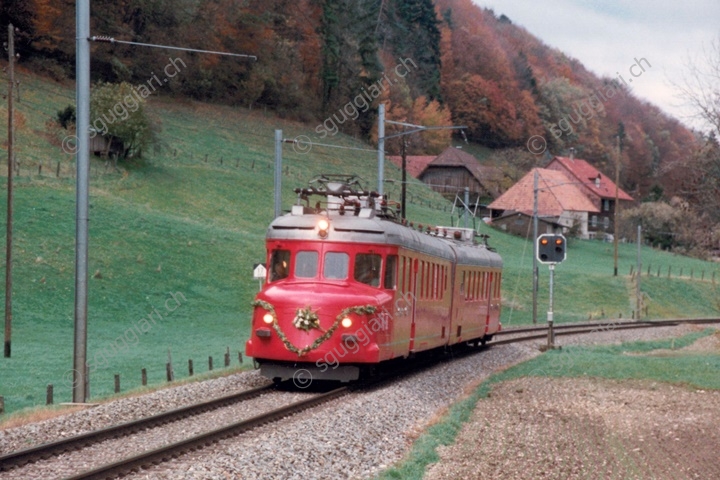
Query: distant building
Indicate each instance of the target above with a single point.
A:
(562, 205)
(106, 146)
(598, 188)
(454, 170)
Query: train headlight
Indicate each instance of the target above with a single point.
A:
(323, 226)
(268, 318)
(346, 322)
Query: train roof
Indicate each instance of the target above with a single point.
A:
(450, 243)
(355, 215)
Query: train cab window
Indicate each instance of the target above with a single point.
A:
(279, 264)
(390, 280)
(306, 264)
(367, 268)
(335, 266)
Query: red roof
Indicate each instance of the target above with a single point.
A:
(589, 176)
(557, 193)
(415, 163)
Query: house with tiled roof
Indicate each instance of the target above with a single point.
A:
(414, 164)
(562, 205)
(597, 187)
(452, 171)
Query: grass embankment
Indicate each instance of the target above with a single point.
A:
(615, 362)
(173, 241)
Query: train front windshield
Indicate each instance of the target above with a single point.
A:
(367, 268)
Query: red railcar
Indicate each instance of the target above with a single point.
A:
(349, 286)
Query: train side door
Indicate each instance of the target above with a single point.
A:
(413, 304)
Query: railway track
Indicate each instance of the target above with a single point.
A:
(148, 458)
(591, 327)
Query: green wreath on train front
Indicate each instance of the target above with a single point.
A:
(305, 319)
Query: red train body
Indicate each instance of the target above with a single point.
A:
(349, 286)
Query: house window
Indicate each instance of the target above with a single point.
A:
(606, 205)
(593, 221)
(606, 223)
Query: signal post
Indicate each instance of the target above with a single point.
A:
(551, 250)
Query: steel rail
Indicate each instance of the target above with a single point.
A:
(51, 449)
(659, 323)
(137, 462)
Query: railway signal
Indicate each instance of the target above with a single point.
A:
(551, 248)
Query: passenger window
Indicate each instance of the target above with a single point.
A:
(279, 264)
(390, 272)
(335, 266)
(306, 264)
(367, 268)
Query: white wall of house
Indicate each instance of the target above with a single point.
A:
(570, 218)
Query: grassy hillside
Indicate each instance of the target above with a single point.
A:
(172, 243)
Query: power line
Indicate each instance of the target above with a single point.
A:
(106, 39)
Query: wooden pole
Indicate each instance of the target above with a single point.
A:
(11, 137)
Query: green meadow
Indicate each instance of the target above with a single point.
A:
(174, 236)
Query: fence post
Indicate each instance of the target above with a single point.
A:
(190, 367)
(2, 404)
(168, 372)
(240, 357)
(210, 366)
(49, 394)
(227, 357)
(117, 383)
(143, 375)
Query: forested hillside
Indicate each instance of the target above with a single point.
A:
(431, 62)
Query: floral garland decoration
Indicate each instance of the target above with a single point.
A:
(359, 310)
(305, 319)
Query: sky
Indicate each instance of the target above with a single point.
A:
(606, 36)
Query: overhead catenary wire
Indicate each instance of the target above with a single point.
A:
(107, 39)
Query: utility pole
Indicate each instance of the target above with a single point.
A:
(617, 208)
(638, 293)
(278, 172)
(381, 148)
(82, 99)
(11, 138)
(535, 249)
(403, 187)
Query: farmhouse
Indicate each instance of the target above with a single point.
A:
(596, 187)
(454, 170)
(562, 205)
